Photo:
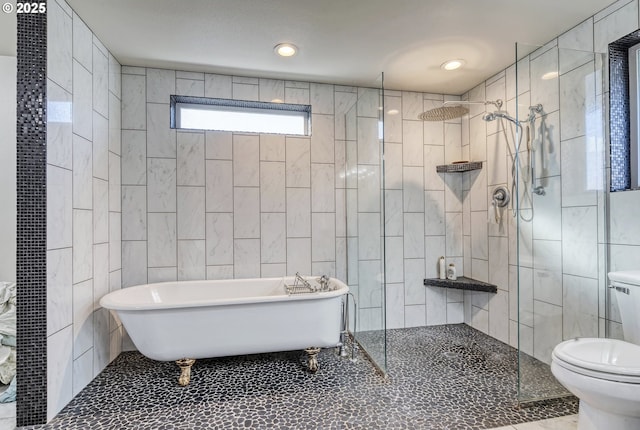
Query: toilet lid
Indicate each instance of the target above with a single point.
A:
(610, 356)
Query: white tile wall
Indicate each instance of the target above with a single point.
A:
(561, 254)
(59, 132)
(221, 204)
(59, 370)
(83, 225)
(191, 260)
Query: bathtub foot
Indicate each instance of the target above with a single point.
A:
(312, 358)
(185, 370)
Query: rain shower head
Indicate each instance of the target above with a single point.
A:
(452, 109)
(443, 113)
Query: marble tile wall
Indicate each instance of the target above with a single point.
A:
(83, 204)
(221, 205)
(562, 235)
(423, 210)
(230, 205)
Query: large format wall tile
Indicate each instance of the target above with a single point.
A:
(219, 186)
(246, 160)
(59, 290)
(191, 156)
(82, 245)
(134, 102)
(191, 260)
(59, 47)
(161, 140)
(59, 126)
(162, 239)
(82, 173)
(191, 213)
(60, 370)
(59, 207)
(82, 101)
(219, 239)
(580, 241)
(273, 238)
(161, 189)
(100, 81)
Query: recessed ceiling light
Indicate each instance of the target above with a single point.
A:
(452, 64)
(550, 75)
(285, 49)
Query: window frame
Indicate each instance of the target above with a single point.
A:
(247, 106)
(634, 113)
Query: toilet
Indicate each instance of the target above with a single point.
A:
(605, 373)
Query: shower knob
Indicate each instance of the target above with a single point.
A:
(501, 196)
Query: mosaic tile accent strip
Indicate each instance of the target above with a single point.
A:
(31, 348)
(619, 125)
(440, 377)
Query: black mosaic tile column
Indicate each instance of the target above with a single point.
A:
(31, 407)
(619, 115)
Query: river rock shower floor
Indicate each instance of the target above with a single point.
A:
(442, 377)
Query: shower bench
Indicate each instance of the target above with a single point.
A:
(462, 283)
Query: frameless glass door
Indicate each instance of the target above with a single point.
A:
(364, 203)
(558, 226)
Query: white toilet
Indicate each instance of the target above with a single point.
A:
(605, 373)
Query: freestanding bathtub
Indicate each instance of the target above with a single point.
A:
(188, 320)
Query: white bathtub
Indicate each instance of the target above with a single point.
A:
(201, 319)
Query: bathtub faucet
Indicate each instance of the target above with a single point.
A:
(324, 283)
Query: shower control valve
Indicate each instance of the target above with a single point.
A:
(501, 196)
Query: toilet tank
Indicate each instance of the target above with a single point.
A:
(627, 291)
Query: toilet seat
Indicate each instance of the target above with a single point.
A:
(608, 359)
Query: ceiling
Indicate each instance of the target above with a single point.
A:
(340, 41)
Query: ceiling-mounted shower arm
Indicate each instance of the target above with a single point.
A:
(497, 103)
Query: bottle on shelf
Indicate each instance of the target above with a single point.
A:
(451, 272)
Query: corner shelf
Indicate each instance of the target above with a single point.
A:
(462, 283)
(459, 167)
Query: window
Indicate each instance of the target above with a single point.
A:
(623, 111)
(202, 113)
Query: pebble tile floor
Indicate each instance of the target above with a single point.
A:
(441, 377)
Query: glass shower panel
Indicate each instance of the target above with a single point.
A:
(558, 225)
(364, 170)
